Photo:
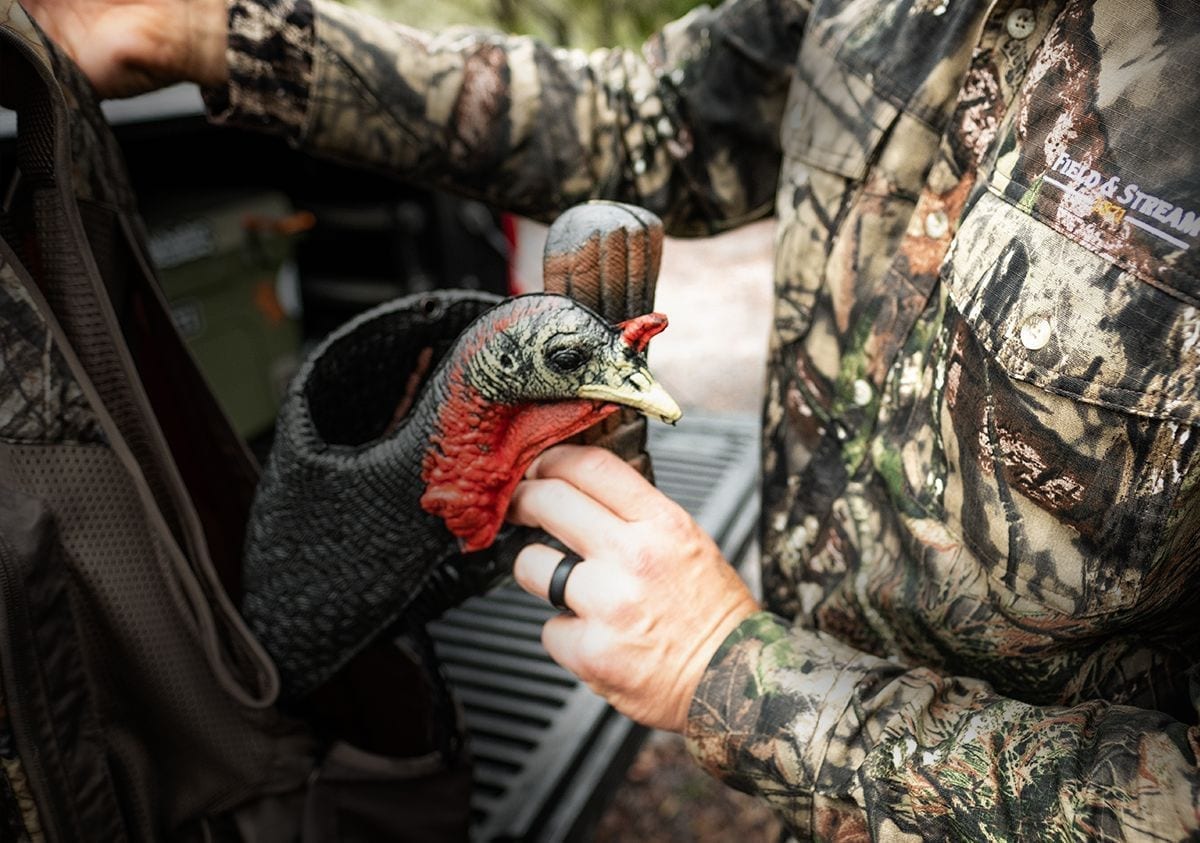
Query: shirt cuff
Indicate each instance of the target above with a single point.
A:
(770, 706)
(270, 58)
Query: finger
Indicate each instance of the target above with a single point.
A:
(534, 566)
(603, 477)
(588, 590)
(566, 513)
(562, 636)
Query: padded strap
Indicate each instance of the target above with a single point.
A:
(81, 302)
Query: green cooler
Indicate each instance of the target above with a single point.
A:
(225, 260)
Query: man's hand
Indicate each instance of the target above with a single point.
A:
(653, 599)
(128, 47)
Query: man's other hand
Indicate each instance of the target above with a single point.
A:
(128, 47)
(653, 599)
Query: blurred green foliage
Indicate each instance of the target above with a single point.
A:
(575, 23)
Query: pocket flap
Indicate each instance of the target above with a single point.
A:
(835, 119)
(1065, 319)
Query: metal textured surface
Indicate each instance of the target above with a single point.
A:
(546, 748)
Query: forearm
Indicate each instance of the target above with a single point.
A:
(524, 126)
(835, 738)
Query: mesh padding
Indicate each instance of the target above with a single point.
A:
(172, 729)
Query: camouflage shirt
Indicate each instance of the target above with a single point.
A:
(981, 471)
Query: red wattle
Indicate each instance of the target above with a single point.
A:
(637, 331)
(479, 452)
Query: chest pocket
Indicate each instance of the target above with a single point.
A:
(826, 156)
(1071, 394)
(872, 90)
(835, 118)
(1072, 372)
(834, 129)
(1063, 387)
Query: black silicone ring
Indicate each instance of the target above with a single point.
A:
(557, 591)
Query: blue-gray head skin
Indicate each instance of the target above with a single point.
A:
(358, 511)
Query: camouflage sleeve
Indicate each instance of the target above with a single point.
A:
(846, 745)
(269, 53)
(525, 126)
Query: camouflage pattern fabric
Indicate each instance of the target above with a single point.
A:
(271, 57)
(19, 820)
(981, 471)
(39, 399)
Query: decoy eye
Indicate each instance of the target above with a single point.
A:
(566, 359)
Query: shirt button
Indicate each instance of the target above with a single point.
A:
(936, 225)
(862, 393)
(1020, 23)
(1035, 333)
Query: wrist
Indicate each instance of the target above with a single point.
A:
(702, 657)
(207, 28)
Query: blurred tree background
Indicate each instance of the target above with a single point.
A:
(574, 23)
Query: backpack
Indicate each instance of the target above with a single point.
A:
(134, 703)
